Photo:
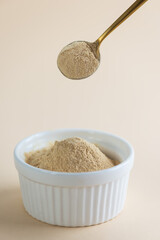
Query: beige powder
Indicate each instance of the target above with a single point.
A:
(69, 155)
(77, 60)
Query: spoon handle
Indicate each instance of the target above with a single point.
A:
(121, 19)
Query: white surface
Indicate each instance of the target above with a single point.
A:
(75, 199)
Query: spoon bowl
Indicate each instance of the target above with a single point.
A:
(79, 59)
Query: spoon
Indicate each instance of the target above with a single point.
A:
(80, 59)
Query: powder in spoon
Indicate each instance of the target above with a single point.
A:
(77, 60)
(70, 155)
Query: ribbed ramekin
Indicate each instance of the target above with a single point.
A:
(74, 199)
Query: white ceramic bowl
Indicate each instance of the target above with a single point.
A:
(74, 199)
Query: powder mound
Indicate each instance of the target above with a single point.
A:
(77, 60)
(70, 155)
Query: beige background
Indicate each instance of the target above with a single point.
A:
(122, 97)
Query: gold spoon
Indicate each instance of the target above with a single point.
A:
(81, 59)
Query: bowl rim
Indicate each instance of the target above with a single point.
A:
(39, 134)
